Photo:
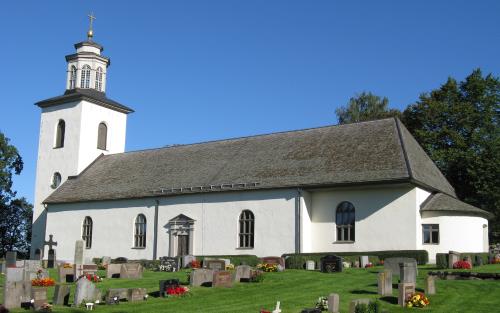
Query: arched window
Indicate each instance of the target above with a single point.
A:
(56, 180)
(247, 229)
(102, 134)
(140, 232)
(85, 82)
(61, 127)
(87, 232)
(72, 78)
(345, 217)
(98, 79)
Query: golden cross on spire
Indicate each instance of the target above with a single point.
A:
(90, 33)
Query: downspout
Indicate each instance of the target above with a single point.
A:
(155, 237)
(298, 211)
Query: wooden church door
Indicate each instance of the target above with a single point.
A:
(183, 245)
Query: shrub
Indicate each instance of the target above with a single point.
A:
(244, 259)
(441, 260)
(372, 307)
(268, 267)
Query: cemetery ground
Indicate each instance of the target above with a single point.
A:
(297, 289)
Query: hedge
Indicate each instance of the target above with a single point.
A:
(246, 259)
(297, 261)
(442, 258)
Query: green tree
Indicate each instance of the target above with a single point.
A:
(15, 213)
(365, 107)
(457, 125)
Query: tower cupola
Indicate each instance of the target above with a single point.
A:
(87, 68)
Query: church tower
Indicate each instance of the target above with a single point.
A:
(75, 129)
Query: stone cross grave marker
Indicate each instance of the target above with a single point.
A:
(333, 303)
(405, 291)
(330, 264)
(216, 265)
(201, 277)
(51, 261)
(407, 272)
(222, 279)
(385, 283)
(242, 273)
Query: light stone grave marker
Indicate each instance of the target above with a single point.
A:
(131, 271)
(201, 277)
(222, 279)
(113, 270)
(407, 272)
(15, 293)
(405, 290)
(61, 295)
(85, 290)
(187, 259)
(310, 265)
(216, 265)
(242, 273)
(136, 294)
(392, 264)
(333, 303)
(39, 297)
(385, 283)
(363, 260)
(430, 285)
(453, 257)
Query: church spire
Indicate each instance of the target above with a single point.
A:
(90, 33)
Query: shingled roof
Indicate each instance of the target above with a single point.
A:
(379, 151)
(442, 202)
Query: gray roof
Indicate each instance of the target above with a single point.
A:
(379, 151)
(90, 95)
(443, 202)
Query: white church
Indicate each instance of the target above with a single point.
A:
(358, 187)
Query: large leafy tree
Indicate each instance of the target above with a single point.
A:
(15, 213)
(457, 125)
(365, 107)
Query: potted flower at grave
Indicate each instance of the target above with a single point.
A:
(417, 300)
(177, 291)
(39, 281)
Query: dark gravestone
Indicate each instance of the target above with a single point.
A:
(478, 260)
(61, 295)
(273, 260)
(165, 284)
(51, 258)
(10, 259)
(222, 279)
(38, 254)
(330, 264)
(216, 265)
(168, 264)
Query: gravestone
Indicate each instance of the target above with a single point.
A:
(363, 260)
(227, 262)
(310, 265)
(330, 264)
(20, 263)
(113, 270)
(105, 261)
(2, 267)
(10, 259)
(168, 264)
(407, 273)
(333, 303)
(165, 284)
(61, 295)
(14, 274)
(242, 273)
(187, 259)
(216, 265)
(273, 260)
(222, 279)
(78, 262)
(118, 293)
(66, 274)
(136, 294)
(392, 264)
(430, 285)
(354, 303)
(131, 271)
(39, 297)
(478, 260)
(405, 291)
(385, 283)
(15, 293)
(51, 260)
(201, 277)
(356, 264)
(85, 290)
(31, 268)
(38, 254)
(453, 257)
(90, 269)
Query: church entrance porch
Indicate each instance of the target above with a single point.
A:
(181, 233)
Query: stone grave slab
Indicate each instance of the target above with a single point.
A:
(14, 274)
(430, 285)
(165, 284)
(113, 270)
(363, 261)
(405, 290)
(66, 274)
(119, 293)
(384, 283)
(354, 303)
(408, 272)
(89, 269)
(15, 293)
(10, 259)
(392, 264)
(330, 264)
(222, 279)
(333, 303)
(216, 265)
(169, 264)
(453, 257)
(79, 244)
(131, 271)
(310, 265)
(242, 273)
(187, 259)
(136, 294)
(201, 277)
(39, 296)
(31, 268)
(273, 260)
(85, 290)
(61, 294)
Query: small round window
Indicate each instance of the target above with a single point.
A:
(56, 180)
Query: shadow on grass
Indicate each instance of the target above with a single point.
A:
(154, 294)
(359, 292)
(390, 299)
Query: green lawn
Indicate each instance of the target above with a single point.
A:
(297, 289)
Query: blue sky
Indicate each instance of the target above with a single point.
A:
(204, 70)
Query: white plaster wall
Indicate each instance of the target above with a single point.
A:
(422, 195)
(215, 229)
(113, 228)
(92, 115)
(385, 218)
(306, 225)
(457, 232)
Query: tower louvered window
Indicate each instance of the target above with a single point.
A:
(72, 78)
(85, 82)
(98, 79)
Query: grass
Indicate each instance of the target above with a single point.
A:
(298, 289)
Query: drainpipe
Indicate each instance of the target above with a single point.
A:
(298, 212)
(155, 237)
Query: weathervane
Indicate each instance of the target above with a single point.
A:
(90, 33)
